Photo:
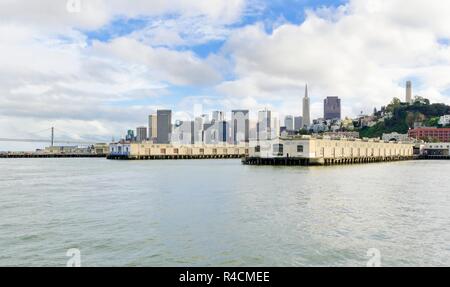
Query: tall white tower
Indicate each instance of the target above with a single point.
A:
(306, 112)
(408, 92)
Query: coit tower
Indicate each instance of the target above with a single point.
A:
(408, 92)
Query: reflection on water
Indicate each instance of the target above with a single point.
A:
(219, 212)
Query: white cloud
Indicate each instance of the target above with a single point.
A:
(360, 52)
(180, 68)
(50, 76)
(53, 14)
(49, 83)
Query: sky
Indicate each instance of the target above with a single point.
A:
(95, 68)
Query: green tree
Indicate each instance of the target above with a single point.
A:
(421, 100)
(395, 103)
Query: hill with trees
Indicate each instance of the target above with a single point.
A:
(401, 116)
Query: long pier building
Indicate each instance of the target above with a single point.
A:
(306, 150)
(149, 151)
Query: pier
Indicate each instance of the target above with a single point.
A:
(150, 151)
(309, 151)
(38, 155)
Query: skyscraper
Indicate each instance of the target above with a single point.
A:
(408, 98)
(141, 134)
(332, 108)
(274, 126)
(222, 131)
(198, 129)
(298, 123)
(289, 123)
(164, 126)
(306, 112)
(209, 133)
(152, 127)
(130, 136)
(263, 127)
(240, 126)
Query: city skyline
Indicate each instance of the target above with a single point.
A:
(101, 69)
(269, 124)
(242, 129)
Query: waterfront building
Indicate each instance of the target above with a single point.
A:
(141, 134)
(240, 126)
(408, 97)
(435, 149)
(324, 150)
(101, 148)
(176, 151)
(298, 123)
(306, 109)
(289, 123)
(67, 150)
(332, 108)
(164, 126)
(153, 127)
(430, 134)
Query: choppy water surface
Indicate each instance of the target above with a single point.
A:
(219, 212)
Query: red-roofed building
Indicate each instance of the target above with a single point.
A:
(430, 134)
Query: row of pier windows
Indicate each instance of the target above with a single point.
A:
(120, 149)
(278, 149)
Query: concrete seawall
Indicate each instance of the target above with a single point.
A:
(291, 161)
(171, 157)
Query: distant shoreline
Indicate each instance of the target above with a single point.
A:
(30, 155)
